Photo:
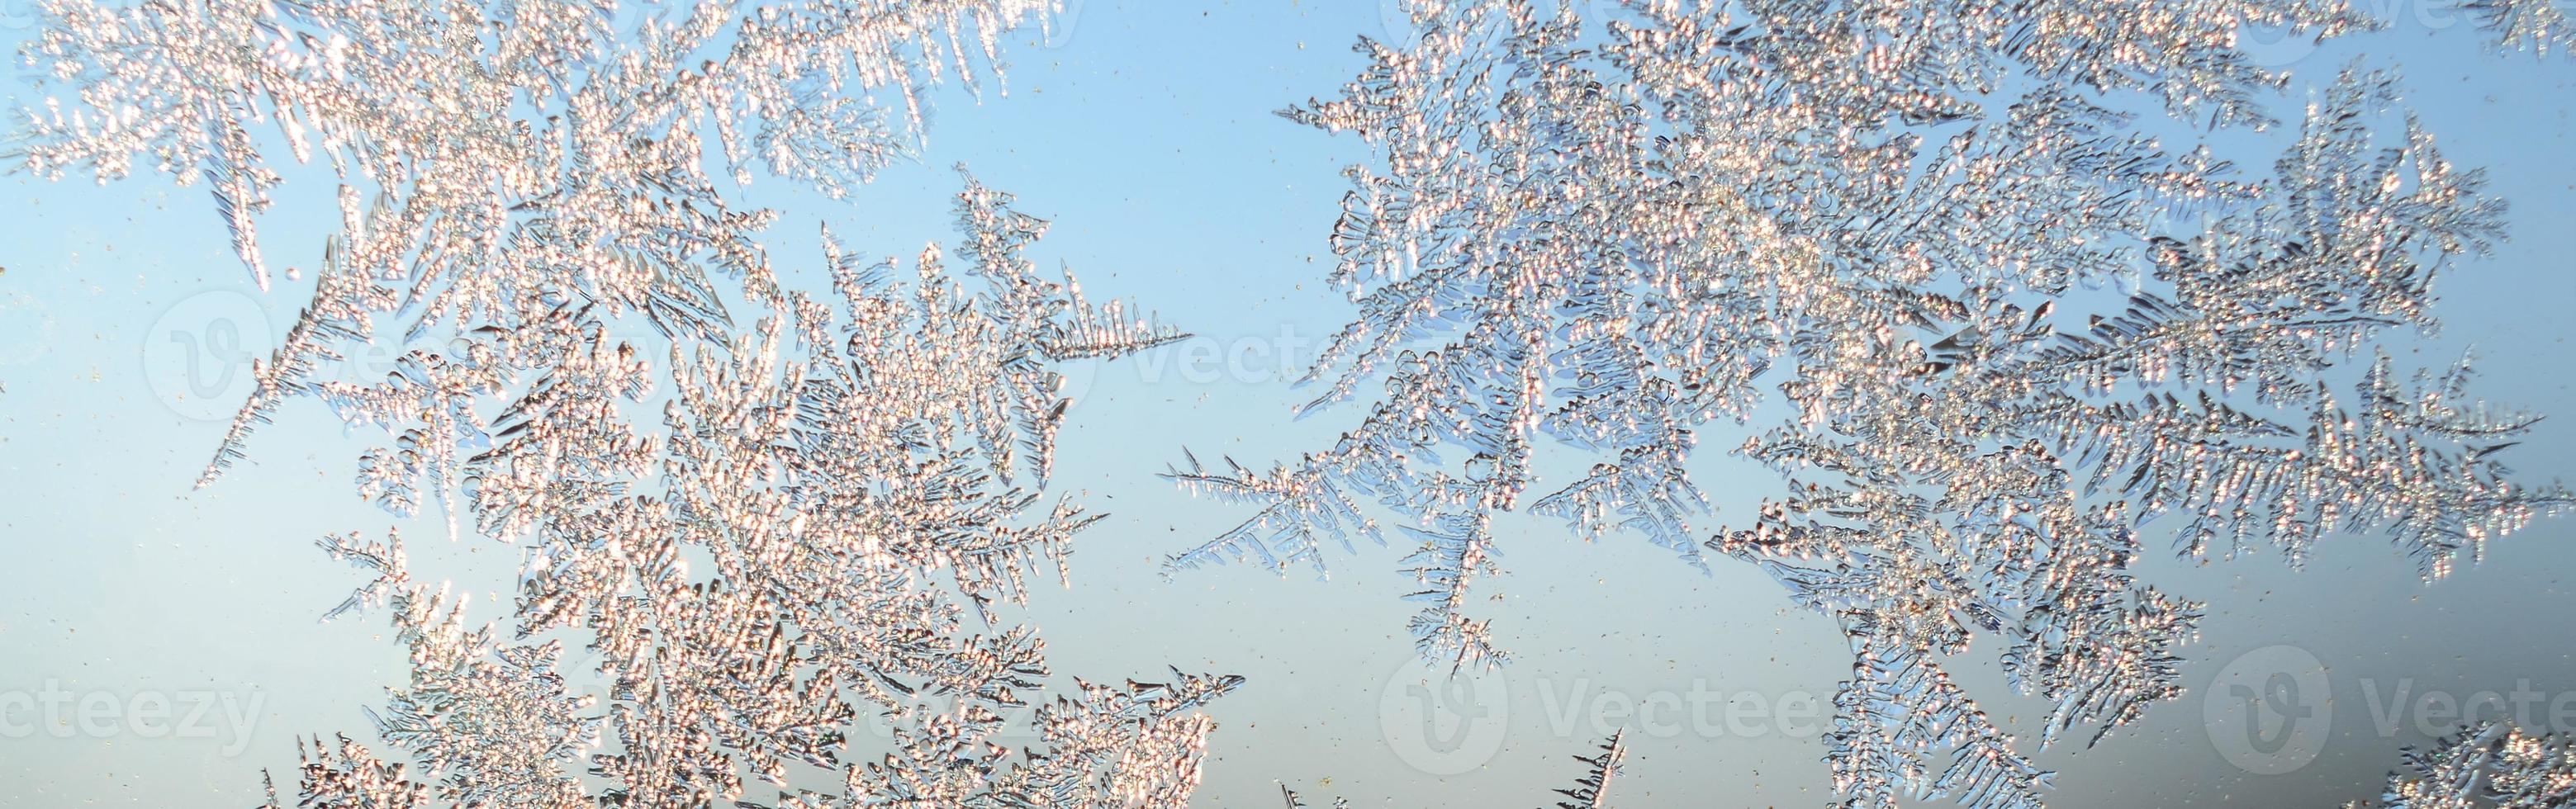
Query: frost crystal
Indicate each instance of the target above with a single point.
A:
(2488, 764)
(840, 491)
(832, 506)
(2006, 327)
(502, 166)
(1592, 791)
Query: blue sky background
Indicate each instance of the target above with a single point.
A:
(1145, 132)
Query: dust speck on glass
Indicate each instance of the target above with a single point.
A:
(2009, 322)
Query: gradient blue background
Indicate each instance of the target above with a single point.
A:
(1146, 133)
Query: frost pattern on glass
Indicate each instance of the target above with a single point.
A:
(835, 503)
(1997, 323)
(498, 163)
(2487, 765)
(766, 514)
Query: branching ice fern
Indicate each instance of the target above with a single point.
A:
(2001, 325)
(500, 165)
(2486, 764)
(833, 507)
(842, 490)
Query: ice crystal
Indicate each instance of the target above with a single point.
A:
(833, 505)
(2487, 764)
(766, 515)
(499, 164)
(1999, 325)
(1592, 791)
